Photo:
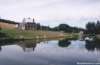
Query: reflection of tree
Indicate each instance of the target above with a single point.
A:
(27, 45)
(0, 48)
(92, 45)
(7, 41)
(2, 35)
(64, 43)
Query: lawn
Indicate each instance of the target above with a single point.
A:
(17, 33)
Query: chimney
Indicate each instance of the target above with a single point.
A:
(33, 20)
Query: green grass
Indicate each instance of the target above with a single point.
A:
(17, 33)
(98, 36)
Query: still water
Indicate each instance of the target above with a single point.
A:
(51, 52)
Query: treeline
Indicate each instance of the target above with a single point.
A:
(8, 21)
(93, 28)
(63, 27)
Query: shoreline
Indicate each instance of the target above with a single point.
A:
(35, 38)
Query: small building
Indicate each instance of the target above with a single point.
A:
(28, 24)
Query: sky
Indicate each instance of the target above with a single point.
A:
(52, 12)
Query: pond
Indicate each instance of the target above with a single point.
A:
(49, 52)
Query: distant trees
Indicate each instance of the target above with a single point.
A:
(93, 28)
(8, 21)
(45, 27)
(67, 28)
(64, 27)
(77, 29)
(38, 26)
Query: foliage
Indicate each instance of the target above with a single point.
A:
(67, 28)
(38, 26)
(64, 27)
(45, 28)
(93, 28)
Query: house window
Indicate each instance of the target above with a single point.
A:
(31, 26)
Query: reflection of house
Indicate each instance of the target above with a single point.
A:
(29, 47)
(81, 35)
(28, 24)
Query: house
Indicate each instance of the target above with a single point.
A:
(28, 24)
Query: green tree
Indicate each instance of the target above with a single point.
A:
(38, 26)
(97, 31)
(64, 27)
(90, 27)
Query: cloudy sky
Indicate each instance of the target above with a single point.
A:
(52, 12)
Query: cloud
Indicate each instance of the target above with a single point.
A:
(52, 12)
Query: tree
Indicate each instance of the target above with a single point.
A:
(76, 29)
(45, 27)
(97, 27)
(90, 27)
(64, 27)
(67, 28)
(93, 28)
(38, 26)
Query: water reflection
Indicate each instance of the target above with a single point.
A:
(92, 45)
(48, 52)
(64, 43)
(28, 47)
(3, 35)
(0, 48)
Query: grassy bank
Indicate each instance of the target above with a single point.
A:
(29, 34)
(98, 36)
